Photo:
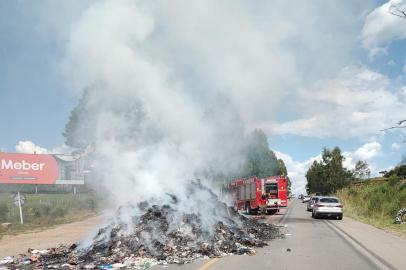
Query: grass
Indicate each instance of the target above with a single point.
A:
(376, 204)
(45, 210)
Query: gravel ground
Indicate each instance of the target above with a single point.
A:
(11, 245)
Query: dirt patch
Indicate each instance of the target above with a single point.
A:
(11, 245)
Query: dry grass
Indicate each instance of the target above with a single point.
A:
(45, 210)
(376, 204)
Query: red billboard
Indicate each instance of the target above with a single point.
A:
(28, 169)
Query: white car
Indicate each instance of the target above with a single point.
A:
(328, 207)
(312, 202)
(306, 199)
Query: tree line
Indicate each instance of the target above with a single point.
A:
(329, 174)
(261, 161)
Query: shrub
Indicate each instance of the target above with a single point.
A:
(394, 180)
(58, 212)
(379, 201)
(3, 210)
(91, 204)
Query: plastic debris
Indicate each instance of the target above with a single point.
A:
(157, 234)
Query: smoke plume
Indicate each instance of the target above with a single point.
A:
(169, 98)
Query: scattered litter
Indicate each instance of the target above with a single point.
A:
(6, 260)
(282, 226)
(36, 251)
(401, 217)
(157, 235)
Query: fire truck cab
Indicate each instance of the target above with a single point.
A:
(252, 193)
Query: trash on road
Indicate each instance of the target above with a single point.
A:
(160, 235)
(401, 217)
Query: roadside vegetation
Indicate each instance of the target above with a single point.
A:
(45, 210)
(376, 202)
(328, 175)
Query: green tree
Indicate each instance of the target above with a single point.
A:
(361, 170)
(315, 176)
(80, 127)
(399, 171)
(403, 161)
(328, 175)
(261, 161)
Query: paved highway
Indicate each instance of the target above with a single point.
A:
(316, 244)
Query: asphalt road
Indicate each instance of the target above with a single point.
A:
(316, 244)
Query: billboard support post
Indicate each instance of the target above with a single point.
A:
(19, 206)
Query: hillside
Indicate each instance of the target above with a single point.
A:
(376, 202)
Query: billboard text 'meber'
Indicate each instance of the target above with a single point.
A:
(27, 169)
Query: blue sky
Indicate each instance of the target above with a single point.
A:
(349, 78)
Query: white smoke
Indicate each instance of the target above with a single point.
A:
(154, 127)
(173, 87)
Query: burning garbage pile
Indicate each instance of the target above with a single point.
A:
(160, 235)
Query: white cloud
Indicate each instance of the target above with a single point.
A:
(396, 146)
(297, 171)
(368, 151)
(28, 147)
(349, 161)
(375, 52)
(381, 27)
(358, 103)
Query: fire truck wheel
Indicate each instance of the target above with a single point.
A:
(248, 209)
(272, 212)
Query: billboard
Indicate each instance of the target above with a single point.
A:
(28, 169)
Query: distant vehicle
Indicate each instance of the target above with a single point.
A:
(306, 198)
(311, 202)
(328, 207)
(252, 193)
(300, 197)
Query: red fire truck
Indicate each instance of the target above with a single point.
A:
(249, 194)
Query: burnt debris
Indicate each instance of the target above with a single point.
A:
(161, 235)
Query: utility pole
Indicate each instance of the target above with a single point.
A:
(19, 206)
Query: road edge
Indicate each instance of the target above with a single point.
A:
(377, 260)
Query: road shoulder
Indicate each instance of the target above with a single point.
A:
(390, 247)
(12, 245)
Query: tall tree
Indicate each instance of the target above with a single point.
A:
(328, 175)
(80, 127)
(403, 161)
(261, 161)
(361, 170)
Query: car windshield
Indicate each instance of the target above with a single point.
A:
(329, 200)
